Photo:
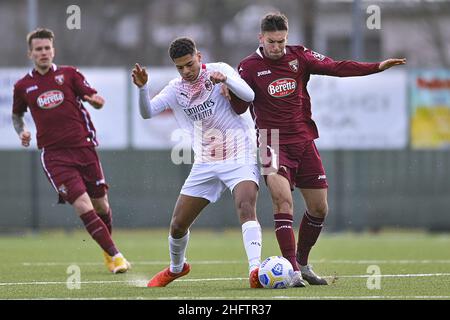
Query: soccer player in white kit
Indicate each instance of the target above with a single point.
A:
(224, 144)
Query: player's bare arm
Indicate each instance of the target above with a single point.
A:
(139, 75)
(95, 100)
(386, 64)
(19, 126)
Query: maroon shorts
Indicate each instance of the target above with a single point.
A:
(299, 163)
(74, 171)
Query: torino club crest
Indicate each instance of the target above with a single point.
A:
(293, 65)
(59, 79)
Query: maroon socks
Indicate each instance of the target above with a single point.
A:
(99, 232)
(309, 231)
(285, 237)
(107, 219)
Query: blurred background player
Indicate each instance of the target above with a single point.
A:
(278, 74)
(224, 148)
(67, 139)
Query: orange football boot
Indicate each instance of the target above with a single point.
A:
(164, 277)
(254, 279)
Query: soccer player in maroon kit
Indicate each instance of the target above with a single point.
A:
(67, 139)
(278, 74)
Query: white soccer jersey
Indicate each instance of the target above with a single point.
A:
(217, 132)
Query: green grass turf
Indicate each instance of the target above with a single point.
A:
(35, 266)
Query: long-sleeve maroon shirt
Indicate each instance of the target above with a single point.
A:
(281, 98)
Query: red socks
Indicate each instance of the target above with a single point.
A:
(99, 232)
(285, 237)
(309, 231)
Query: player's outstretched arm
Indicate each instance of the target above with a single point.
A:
(140, 78)
(148, 108)
(386, 64)
(139, 75)
(95, 100)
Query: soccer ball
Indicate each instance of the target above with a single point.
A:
(275, 273)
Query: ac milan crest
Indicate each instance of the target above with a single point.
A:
(59, 79)
(208, 85)
(293, 65)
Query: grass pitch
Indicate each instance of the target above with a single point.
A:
(412, 265)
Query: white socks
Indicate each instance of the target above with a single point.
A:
(251, 234)
(177, 250)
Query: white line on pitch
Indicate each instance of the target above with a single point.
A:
(160, 262)
(132, 262)
(141, 282)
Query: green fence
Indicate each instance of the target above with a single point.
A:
(367, 190)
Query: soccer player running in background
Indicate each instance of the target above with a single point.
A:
(278, 74)
(67, 139)
(224, 144)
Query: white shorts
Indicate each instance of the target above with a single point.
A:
(209, 180)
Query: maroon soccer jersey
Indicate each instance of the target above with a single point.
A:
(54, 100)
(281, 98)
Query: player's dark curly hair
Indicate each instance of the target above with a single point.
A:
(40, 33)
(181, 47)
(274, 21)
